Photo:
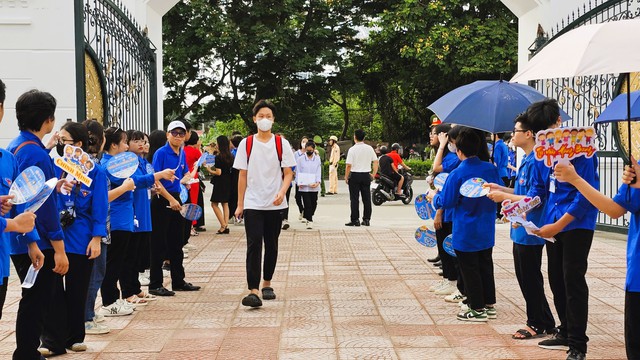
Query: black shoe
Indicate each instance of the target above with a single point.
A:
(252, 300)
(186, 287)
(329, 193)
(440, 273)
(575, 355)
(161, 291)
(201, 229)
(435, 259)
(353, 223)
(437, 264)
(366, 223)
(268, 294)
(555, 342)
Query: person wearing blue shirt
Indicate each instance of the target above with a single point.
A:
(8, 173)
(473, 235)
(168, 225)
(527, 249)
(501, 161)
(310, 165)
(64, 316)
(571, 220)
(35, 113)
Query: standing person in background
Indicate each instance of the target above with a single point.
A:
(298, 154)
(261, 191)
(309, 166)
(192, 154)
(512, 166)
(323, 157)
(45, 246)
(334, 158)
(358, 175)
(501, 161)
(233, 195)
(221, 181)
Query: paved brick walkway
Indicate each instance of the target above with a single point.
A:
(342, 294)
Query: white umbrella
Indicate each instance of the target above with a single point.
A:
(587, 50)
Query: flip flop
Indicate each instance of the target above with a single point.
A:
(268, 294)
(252, 300)
(526, 334)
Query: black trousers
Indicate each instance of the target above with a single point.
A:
(261, 226)
(116, 253)
(167, 242)
(143, 257)
(449, 263)
(31, 308)
(632, 324)
(360, 185)
(64, 312)
(527, 260)
(285, 212)
(505, 181)
(567, 259)
(129, 283)
(477, 271)
(233, 195)
(298, 198)
(200, 221)
(3, 294)
(310, 201)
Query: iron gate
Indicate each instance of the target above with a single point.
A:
(585, 97)
(115, 67)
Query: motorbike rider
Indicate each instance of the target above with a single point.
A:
(397, 159)
(389, 169)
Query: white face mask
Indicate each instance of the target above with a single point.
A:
(451, 147)
(264, 124)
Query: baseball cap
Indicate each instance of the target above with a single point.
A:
(176, 125)
(435, 120)
(333, 137)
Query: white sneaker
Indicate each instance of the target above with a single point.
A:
(144, 281)
(447, 289)
(93, 328)
(125, 304)
(185, 255)
(463, 306)
(438, 285)
(185, 250)
(456, 297)
(78, 347)
(115, 309)
(190, 246)
(301, 217)
(239, 222)
(285, 224)
(98, 318)
(309, 224)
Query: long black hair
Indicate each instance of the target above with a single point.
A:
(96, 136)
(157, 139)
(223, 150)
(78, 132)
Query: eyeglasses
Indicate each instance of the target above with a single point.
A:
(63, 141)
(520, 130)
(176, 133)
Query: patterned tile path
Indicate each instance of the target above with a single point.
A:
(342, 294)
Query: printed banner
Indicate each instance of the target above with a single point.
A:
(518, 208)
(123, 165)
(564, 144)
(76, 163)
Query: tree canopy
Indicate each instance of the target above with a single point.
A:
(330, 65)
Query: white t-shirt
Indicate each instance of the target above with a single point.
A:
(360, 157)
(264, 174)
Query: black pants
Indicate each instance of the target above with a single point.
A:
(143, 257)
(310, 200)
(129, 283)
(477, 271)
(233, 194)
(200, 221)
(30, 310)
(360, 184)
(3, 294)
(527, 260)
(298, 198)
(505, 181)
(632, 324)
(167, 242)
(261, 225)
(116, 253)
(449, 263)
(285, 212)
(64, 311)
(567, 259)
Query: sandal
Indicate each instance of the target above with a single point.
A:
(135, 300)
(526, 334)
(194, 232)
(252, 300)
(146, 296)
(268, 294)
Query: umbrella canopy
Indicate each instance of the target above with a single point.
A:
(617, 109)
(487, 105)
(587, 50)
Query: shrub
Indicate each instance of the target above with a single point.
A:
(419, 168)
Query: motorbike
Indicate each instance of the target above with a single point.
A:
(384, 189)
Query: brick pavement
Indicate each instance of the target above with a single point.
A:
(342, 294)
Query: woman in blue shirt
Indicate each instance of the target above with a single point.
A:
(64, 325)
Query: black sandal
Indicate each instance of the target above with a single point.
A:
(252, 300)
(268, 294)
(526, 334)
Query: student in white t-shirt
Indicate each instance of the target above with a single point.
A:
(264, 161)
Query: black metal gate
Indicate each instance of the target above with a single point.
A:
(115, 67)
(584, 98)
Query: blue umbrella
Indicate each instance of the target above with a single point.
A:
(489, 105)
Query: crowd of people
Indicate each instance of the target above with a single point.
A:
(96, 235)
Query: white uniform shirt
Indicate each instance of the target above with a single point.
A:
(264, 174)
(360, 157)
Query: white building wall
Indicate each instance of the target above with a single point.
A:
(37, 51)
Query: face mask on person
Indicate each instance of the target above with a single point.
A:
(60, 149)
(451, 147)
(309, 153)
(264, 124)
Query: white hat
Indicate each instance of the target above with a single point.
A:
(175, 125)
(333, 137)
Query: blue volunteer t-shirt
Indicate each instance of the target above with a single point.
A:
(523, 184)
(450, 162)
(501, 158)
(166, 158)
(8, 173)
(631, 204)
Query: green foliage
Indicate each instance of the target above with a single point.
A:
(225, 128)
(419, 168)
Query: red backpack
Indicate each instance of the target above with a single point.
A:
(278, 147)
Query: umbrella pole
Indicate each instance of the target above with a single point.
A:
(629, 120)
